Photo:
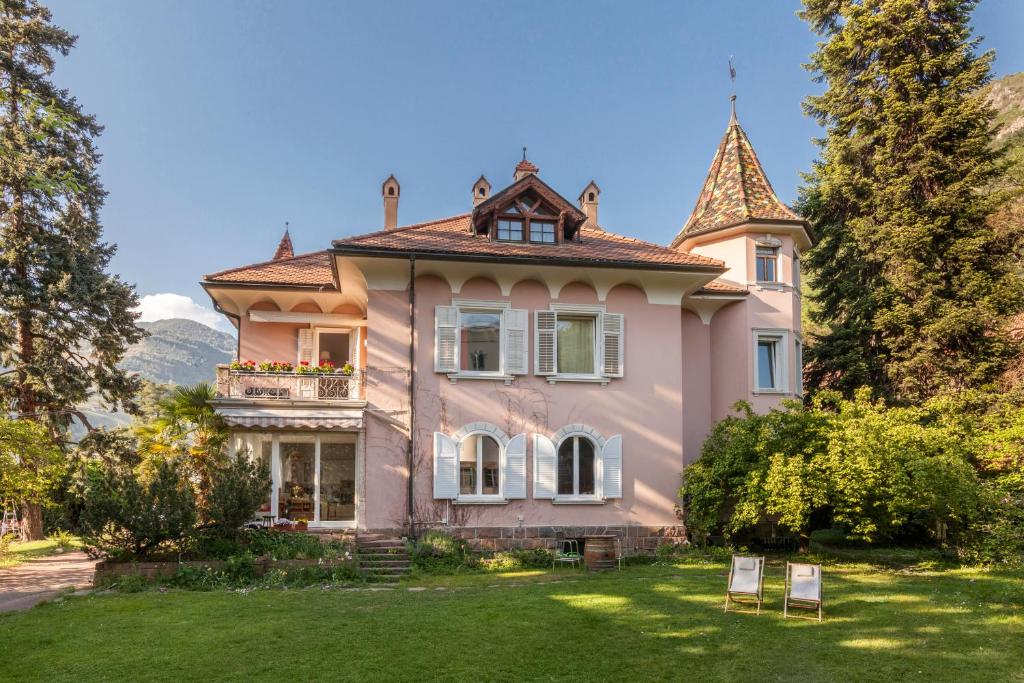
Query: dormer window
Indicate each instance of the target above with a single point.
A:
(510, 230)
(542, 232)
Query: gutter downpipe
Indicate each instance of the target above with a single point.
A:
(412, 393)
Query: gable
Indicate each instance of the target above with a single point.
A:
(528, 211)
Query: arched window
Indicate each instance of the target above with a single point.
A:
(479, 466)
(482, 191)
(590, 197)
(576, 467)
(391, 192)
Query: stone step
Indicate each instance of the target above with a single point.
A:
(386, 571)
(383, 543)
(382, 552)
(383, 560)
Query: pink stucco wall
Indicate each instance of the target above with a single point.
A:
(645, 407)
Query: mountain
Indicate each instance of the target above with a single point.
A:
(1006, 96)
(179, 351)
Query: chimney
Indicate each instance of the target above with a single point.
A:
(524, 168)
(588, 203)
(481, 191)
(390, 191)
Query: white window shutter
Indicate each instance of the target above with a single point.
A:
(446, 339)
(355, 347)
(612, 347)
(305, 348)
(515, 468)
(545, 324)
(611, 465)
(543, 467)
(515, 322)
(446, 467)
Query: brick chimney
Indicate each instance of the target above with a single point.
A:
(588, 203)
(390, 191)
(481, 190)
(524, 168)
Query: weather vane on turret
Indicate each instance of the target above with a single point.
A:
(732, 77)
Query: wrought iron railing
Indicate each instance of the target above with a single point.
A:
(288, 386)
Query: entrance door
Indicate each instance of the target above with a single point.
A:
(337, 480)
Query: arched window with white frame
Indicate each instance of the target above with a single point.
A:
(479, 464)
(577, 465)
(576, 474)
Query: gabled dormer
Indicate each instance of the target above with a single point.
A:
(527, 212)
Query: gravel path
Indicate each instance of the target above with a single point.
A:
(29, 583)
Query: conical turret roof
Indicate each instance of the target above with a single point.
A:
(736, 190)
(284, 248)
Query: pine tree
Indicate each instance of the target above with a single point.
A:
(913, 285)
(64, 321)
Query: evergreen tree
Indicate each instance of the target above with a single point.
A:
(64, 321)
(913, 285)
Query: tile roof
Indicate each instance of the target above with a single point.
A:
(452, 236)
(721, 287)
(284, 248)
(304, 270)
(736, 189)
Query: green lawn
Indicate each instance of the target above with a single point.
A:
(20, 552)
(644, 623)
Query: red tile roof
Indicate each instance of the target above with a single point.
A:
(721, 287)
(304, 270)
(736, 189)
(527, 166)
(452, 236)
(284, 249)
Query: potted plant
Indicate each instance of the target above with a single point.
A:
(325, 366)
(243, 366)
(347, 369)
(305, 368)
(301, 524)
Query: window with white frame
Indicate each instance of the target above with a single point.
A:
(542, 232)
(799, 368)
(769, 361)
(767, 263)
(576, 472)
(480, 339)
(579, 342)
(577, 466)
(479, 464)
(510, 230)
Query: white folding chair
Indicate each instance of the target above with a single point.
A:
(746, 582)
(803, 588)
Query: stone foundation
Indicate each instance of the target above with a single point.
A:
(634, 539)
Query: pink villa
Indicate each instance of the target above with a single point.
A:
(518, 372)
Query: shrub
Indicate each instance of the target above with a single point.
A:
(436, 551)
(64, 540)
(535, 558)
(237, 488)
(126, 516)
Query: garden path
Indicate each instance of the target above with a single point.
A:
(29, 583)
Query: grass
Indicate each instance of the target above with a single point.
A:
(644, 623)
(17, 553)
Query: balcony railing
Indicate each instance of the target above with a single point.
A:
(288, 386)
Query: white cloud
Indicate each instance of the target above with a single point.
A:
(170, 305)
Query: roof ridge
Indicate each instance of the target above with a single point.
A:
(279, 261)
(402, 228)
(741, 137)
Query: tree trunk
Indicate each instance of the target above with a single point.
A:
(32, 521)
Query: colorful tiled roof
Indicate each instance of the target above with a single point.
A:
(452, 236)
(735, 191)
(526, 166)
(304, 270)
(284, 249)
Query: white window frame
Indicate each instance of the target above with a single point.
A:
(249, 438)
(798, 360)
(582, 311)
(471, 306)
(776, 249)
(598, 442)
(502, 439)
(317, 331)
(781, 340)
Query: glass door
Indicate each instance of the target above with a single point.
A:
(337, 480)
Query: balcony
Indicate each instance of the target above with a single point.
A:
(289, 386)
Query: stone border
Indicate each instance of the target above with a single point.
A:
(634, 539)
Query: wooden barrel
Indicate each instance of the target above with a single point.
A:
(599, 552)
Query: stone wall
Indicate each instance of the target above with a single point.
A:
(634, 539)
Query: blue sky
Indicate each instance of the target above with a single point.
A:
(226, 119)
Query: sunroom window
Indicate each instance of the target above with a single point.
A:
(576, 471)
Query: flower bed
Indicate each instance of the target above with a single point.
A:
(284, 367)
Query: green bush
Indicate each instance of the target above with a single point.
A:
(126, 516)
(237, 489)
(512, 560)
(436, 551)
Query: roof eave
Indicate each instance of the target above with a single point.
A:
(348, 250)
